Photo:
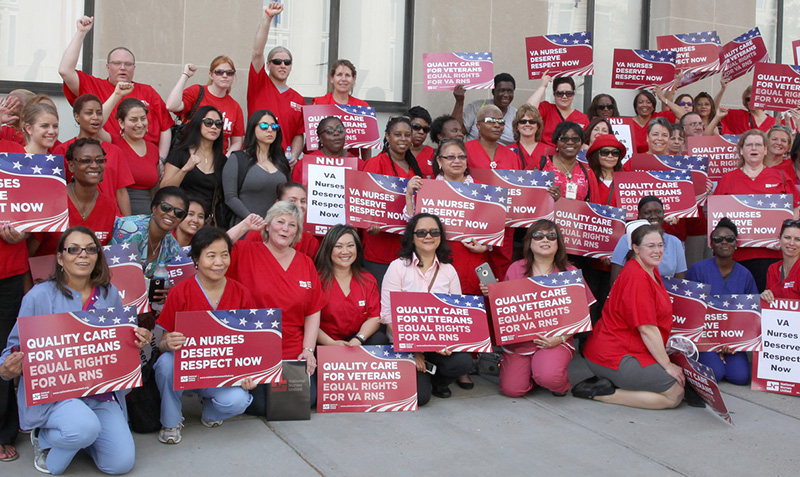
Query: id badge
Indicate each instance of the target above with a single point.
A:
(572, 190)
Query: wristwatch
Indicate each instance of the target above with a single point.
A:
(361, 338)
(309, 350)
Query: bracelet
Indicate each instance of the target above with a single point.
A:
(186, 75)
(309, 350)
(361, 338)
(563, 339)
(267, 12)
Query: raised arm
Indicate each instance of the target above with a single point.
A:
(70, 59)
(667, 102)
(260, 42)
(175, 99)
(538, 95)
(458, 107)
(723, 84)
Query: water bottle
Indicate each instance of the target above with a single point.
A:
(289, 157)
(158, 282)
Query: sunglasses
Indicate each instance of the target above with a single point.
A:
(278, 61)
(609, 152)
(167, 208)
(686, 103)
(538, 236)
(460, 157)
(605, 106)
(569, 139)
(208, 122)
(265, 126)
(422, 233)
(527, 121)
(420, 127)
(494, 121)
(727, 238)
(791, 223)
(224, 72)
(332, 131)
(89, 160)
(565, 94)
(75, 250)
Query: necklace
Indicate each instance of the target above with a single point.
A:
(83, 209)
(566, 172)
(546, 272)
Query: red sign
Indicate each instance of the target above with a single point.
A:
(443, 71)
(468, 211)
(696, 165)
(181, 267)
(757, 217)
(375, 199)
(528, 198)
(696, 54)
(742, 53)
(365, 379)
(701, 377)
(776, 87)
(589, 230)
(775, 368)
(360, 124)
(69, 355)
(127, 275)
(689, 306)
(548, 305)
(569, 54)
(721, 151)
(33, 192)
(733, 321)
(641, 69)
(674, 188)
(437, 321)
(224, 347)
(42, 267)
(796, 50)
(324, 177)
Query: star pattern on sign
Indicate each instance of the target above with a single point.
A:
(690, 163)
(747, 36)
(493, 195)
(526, 178)
(246, 320)
(687, 288)
(699, 38)
(386, 352)
(567, 39)
(736, 302)
(477, 56)
(672, 175)
(182, 258)
(104, 317)
(395, 185)
(608, 211)
(656, 56)
(559, 279)
(31, 164)
(357, 110)
(464, 301)
(766, 201)
(116, 255)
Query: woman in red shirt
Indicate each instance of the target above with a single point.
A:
(737, 121)
(420, 127)
(527, 127)
(562, 110)
(783, 278)
(141, 155)
(645, 105)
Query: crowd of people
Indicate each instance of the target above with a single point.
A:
(231, 189)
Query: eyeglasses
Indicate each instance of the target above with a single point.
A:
(727, 238)
(126, 64)
(331, 131)
(609, 152)
(494, 121)
(422, 233)
(167, 208)
(791, 223)
(90, 160)
(780, 128)
(694, 124)
(565, 94)
(265, 126)
(75, 250)
(570, 139)
(527, 121)
(460, 157)
(208, 122)
(420, 127)
(224, 72)
(278, 61)
(538, 236)
(686, 103)
(605, 106)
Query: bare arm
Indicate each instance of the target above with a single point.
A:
(69, 61)
(297, 148)
(260, 42)
(236, 144)
(458, 107)
(164, 142)
(711, 129)
(310, 332)
(123, 201)
(174, 101)
(667, 103)
(120, 91)
(538, 95)
(718, 97)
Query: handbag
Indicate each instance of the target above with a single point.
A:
(144, 402)
(179, 128)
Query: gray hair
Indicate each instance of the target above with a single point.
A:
(284, 207)
(487, 110)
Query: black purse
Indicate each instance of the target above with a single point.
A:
(179, 129)
(144, 402)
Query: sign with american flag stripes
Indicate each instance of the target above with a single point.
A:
(33, 192)
(568, 54)
(443, 71)
(360, 125)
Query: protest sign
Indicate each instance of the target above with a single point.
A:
(443, 71)
(589, 230)
(324, 177)
(69, 355)
(776, 87)
(437, 321)
(721, 151)
(641, 69)
(528, 197)
(223, 348)
(365, 379)
(360, 125)
(696, 165)
(796, 50)
(742, 53)
(468, 211)
(568, 54)
(757, 217)
(42, 267)
(689, 305)
(623, 131)
(127, 275)
(702, 379)
(309, 161)
(375, 199)
(733, 321)
(547, 305)
(33, 192)
(674, 188)
(181, 267)
(777, 367)
(696, 54)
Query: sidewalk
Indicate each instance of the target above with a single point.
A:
(480, 432)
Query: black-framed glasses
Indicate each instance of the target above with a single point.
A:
(420, 127)
(727, 238)
(278, 61)
(224, 72)
(90, 160)
(75, 250)
(565, 94)
(538, 236)
(176, 211)
(265, 126)
(686, 103)
(527, 121)
(791, 223)
(494, 121)
(332, 131)
(208, 122)
(422, 233)
(610, 152)
(605, 106)
(570, 139)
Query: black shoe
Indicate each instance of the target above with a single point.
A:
(592, 387)
(441, 391)
(465, 385)
(558, 394)
(691, 397)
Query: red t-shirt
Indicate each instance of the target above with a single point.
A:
(425, 161)
(328, 99)
(296, 290)
(465, 262)
(586, 182)
(552, 117)
(231, 111)
(738, 121)
(789, 171)
(635, 300)
(15, 256)
(188, 296)
(504, 158)
(144, 170)
(640, 132)
(287, 106)
(530, 161)
(343, 316)
(158, 117)
(100, 221)
(8, 133)
(789, 287)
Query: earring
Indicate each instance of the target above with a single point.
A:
(121, 132)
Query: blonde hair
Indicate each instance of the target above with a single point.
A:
(33, 111)
(284, 207)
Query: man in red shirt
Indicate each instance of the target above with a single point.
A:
(120, 65)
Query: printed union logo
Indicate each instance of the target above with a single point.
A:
(304, 284)
(326, 406)
(773, 386)
(321, 229)
(184, 379)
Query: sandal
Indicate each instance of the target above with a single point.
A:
(9, 453)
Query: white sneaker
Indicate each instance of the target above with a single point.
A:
(210, 424)
(39, 455)
(170, 435)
